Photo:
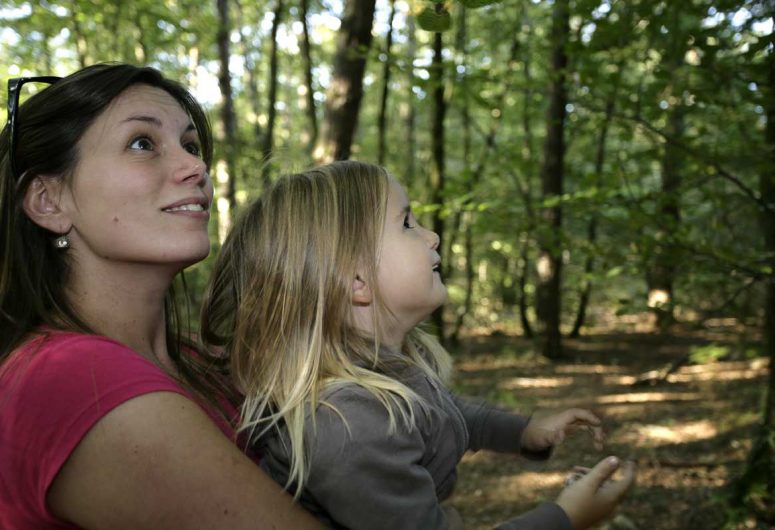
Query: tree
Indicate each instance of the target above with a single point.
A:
(227, 177)
(549, 266)
(343, 98)
(268, 141)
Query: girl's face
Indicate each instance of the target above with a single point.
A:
(140, 192)
(408, 267)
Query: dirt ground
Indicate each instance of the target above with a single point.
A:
(688, 434)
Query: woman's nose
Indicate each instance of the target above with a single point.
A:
(190, 168)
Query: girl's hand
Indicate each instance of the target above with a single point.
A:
(594, 496)
(546, 432)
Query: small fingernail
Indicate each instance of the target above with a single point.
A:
(613, 460)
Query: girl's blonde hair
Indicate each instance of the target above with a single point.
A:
(279, 301)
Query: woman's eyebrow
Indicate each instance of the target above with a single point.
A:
(156, 122)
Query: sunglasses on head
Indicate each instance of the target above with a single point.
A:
(14, 89)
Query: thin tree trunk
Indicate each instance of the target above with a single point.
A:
(382, 118)
(343, 98)
(465, 217)
(226, 179)
(411, 143)
(660, 275)
(549, 266)
(589, 264)
(438, 154)
(306, 54)
(81, 47)
(271, 112)
(251, 68)
(529, 163)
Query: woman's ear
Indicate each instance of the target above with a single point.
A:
(42, 204)
(362, 295)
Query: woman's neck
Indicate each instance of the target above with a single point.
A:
(126, 304)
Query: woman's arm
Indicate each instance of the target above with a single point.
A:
(158, 461)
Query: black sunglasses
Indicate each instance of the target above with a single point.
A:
(14, 88)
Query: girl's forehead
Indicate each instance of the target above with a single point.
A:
(396, 192)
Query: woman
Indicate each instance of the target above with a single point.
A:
(107, 419)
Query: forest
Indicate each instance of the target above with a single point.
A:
(601, 174)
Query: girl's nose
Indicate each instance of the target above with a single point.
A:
(434, 239)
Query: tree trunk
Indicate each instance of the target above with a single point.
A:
(759, 473)
(589, 264)
(549, 266)
(251, 68)
(81, 47)
(660, 274)
(226, 177)
(306, 54)
(343, 98)
(437, 149)
(271, 112)
(382, 119)
(411, 143)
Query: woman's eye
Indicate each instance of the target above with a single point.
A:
(141, 143)
(194, 149)
(408, 222)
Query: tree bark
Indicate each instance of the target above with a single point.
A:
(437, 149)
(306, 54)
(589, 264)
(760, 468)
(271, 111)
(411, 143)
(343, 98)
(382, 118)
(549, 266)
(226, 179)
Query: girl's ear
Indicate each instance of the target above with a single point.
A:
(362, 295)
(41, 204)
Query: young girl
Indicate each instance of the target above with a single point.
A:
(316, 295)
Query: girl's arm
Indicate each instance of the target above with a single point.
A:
(158, 461)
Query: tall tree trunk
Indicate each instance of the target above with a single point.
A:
(759, 472)
(549, 266)
(226, 176)
(589, 265)
(465, 216)
(660, 274)
(437, 149)
(411, 143)
(343, 98)
(527, 195)
(306, 54)
(271, 112)
(382, 118)
(81, 47)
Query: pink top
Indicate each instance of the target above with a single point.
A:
(53, 389)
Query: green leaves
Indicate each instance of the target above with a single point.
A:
(435, 15)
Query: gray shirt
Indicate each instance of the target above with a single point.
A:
(363, 477)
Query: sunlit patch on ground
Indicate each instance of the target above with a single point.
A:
(689, 433)
(535, 382)
(655, 435)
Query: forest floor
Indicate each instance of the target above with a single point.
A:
(688, 434)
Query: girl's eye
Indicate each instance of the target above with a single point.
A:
(141, 143)
(408, 222)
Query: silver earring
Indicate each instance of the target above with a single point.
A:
(62, 242)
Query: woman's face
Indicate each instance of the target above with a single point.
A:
(140, 192)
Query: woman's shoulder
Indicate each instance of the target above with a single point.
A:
(59, 360)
